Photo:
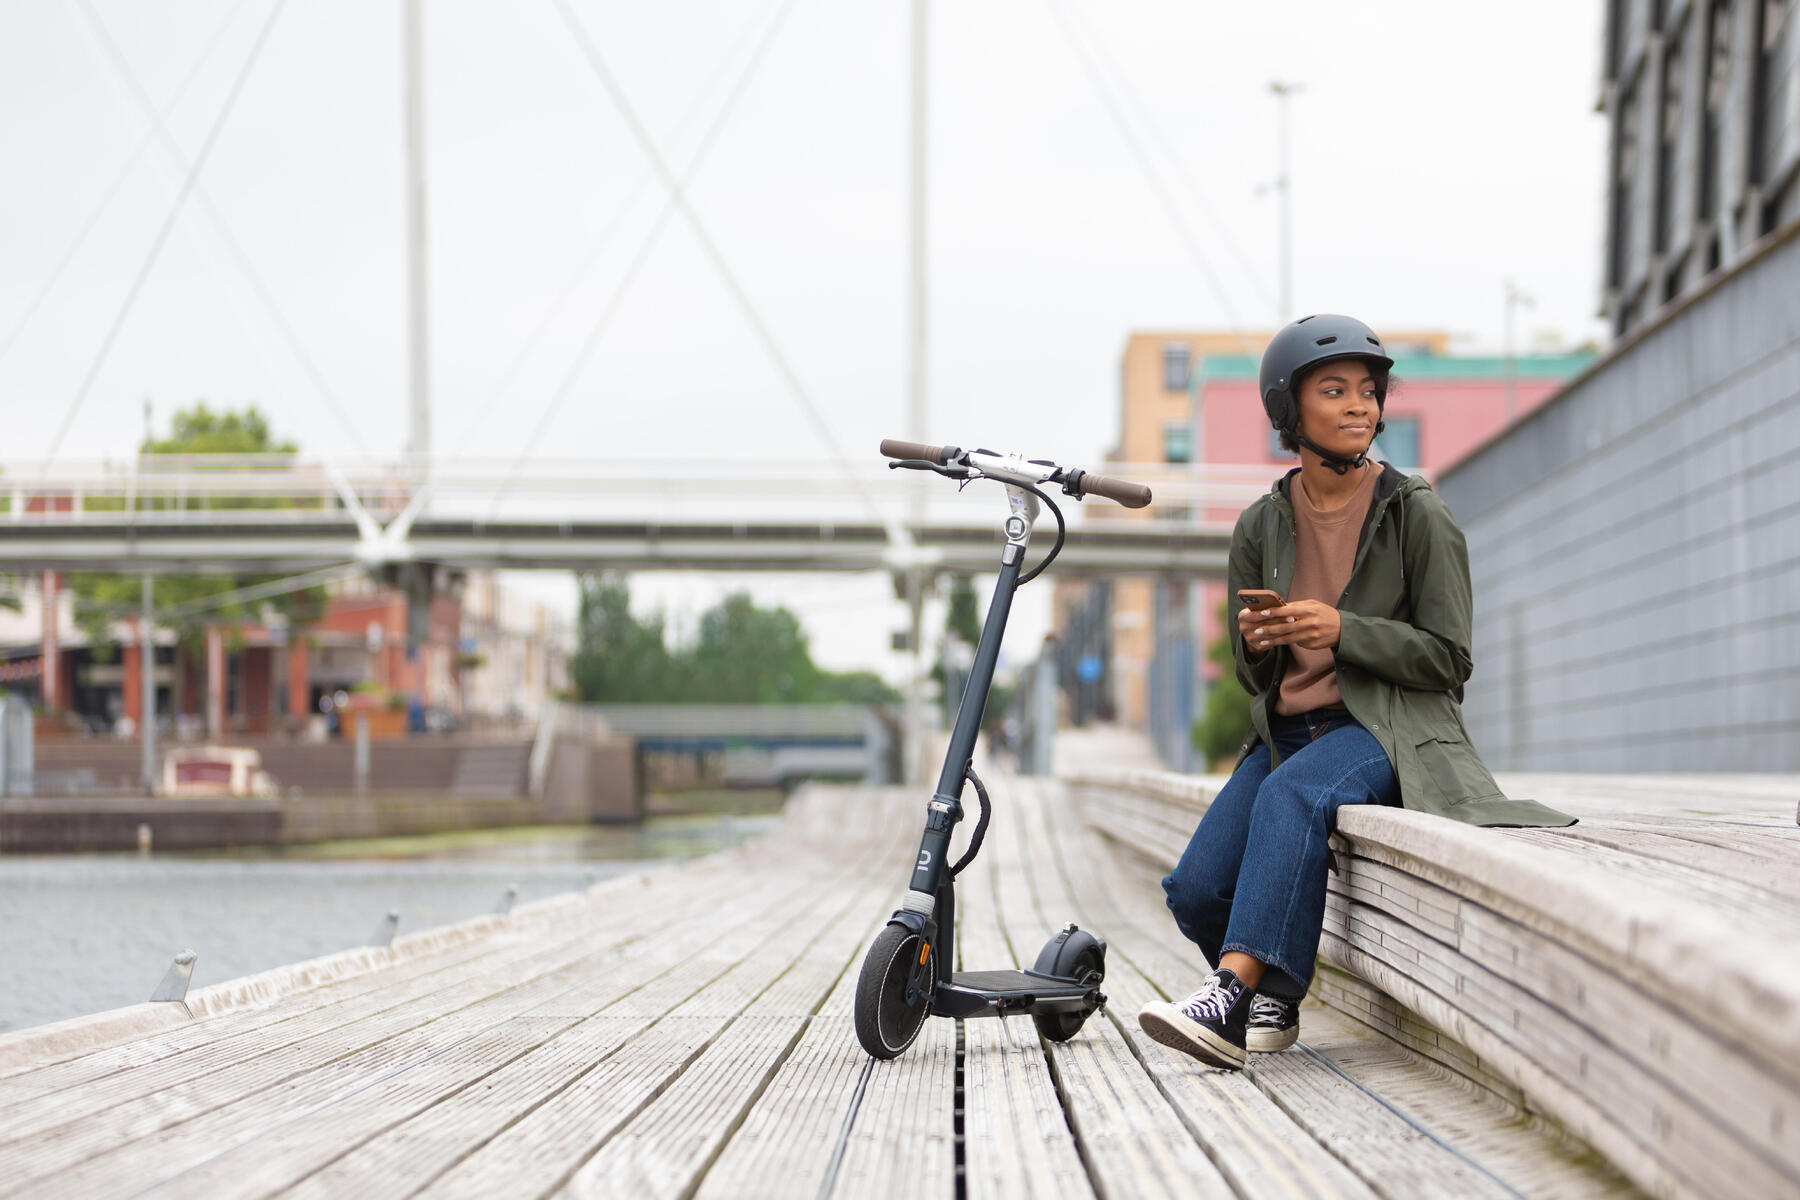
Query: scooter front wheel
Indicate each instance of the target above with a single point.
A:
(885, 1023)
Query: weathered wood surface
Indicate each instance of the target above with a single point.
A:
(1635, 977)
(688, 1032)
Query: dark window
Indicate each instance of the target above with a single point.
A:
(1178, 442)
(1718, 80)
(1718, 65)
(1399, 442)
(1670, 119)
(1625, 172)
(1175, 367)
(1628, 136)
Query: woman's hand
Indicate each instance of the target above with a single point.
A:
(1310, 624)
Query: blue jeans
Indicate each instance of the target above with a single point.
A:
(1252, 878)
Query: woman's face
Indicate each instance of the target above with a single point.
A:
(1338, 408)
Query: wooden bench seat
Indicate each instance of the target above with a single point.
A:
(1636, 976)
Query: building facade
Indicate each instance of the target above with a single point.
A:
(1702, 99)
(1635, 546)
(248, 678)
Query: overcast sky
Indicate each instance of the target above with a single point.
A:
(1438, 149)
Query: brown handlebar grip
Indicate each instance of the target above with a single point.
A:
(895, 448)
(1131, 495)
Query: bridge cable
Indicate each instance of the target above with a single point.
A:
(162, 236)
(1138, 154)
(244, 595)
(678, 196)
(1169, 154)
(566, 385)
(118, 181)
(241, 258)
(585, 268)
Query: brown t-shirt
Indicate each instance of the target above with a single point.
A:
(1324, 552)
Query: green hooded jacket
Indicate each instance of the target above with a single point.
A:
(1403, 651)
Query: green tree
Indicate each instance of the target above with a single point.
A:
(619, 659)
(856, 687)
(199, 430)
(745, 654)
(752, 655)
(964, 617)
(1221, 730)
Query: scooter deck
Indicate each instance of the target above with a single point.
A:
(984, 993)
(1016, 981)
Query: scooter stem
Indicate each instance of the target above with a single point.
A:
(946, 802)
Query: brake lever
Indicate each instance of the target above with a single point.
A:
(957, 472)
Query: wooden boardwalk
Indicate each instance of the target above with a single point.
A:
(687, 1032)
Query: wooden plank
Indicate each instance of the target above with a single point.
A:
(533, 1121)
(227, 1008)
(607, 1125)
(1131, 1140)
(902, 1142)
(600, 979)
(667, 1148)
(1599, 1089)
(787, 1141)
(177, 1090)
(1257, 1147)
(195, 1049)
(1527, 1155)
(1017, 1140)
(1750, 863)
(1387, 1152)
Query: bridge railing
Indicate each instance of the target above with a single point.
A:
(225, 489)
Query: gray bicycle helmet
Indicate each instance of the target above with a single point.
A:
(1305, 344)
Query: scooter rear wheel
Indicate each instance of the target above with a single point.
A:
(885, 1023)
(1074, 958)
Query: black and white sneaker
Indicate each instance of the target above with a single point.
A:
(1209, 1025)
(1274, 1024)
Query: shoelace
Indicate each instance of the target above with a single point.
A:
(1210, 1003)
(1267, 1009)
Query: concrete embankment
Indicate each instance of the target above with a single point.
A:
(415, 786)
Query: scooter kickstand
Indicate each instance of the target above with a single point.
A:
(1006, 1033)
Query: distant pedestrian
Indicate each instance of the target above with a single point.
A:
(1355, 652)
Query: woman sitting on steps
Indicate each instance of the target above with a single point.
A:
(1357, 682)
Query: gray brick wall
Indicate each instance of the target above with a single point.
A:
(1635, 548)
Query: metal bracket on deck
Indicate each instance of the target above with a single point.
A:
(384, 932)
(174, 985)
(506, 900)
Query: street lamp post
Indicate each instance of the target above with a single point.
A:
(1514, 298)
(1282, 92)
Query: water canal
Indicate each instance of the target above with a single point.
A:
(81, 933)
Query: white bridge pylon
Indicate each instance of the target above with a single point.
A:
(286, 513)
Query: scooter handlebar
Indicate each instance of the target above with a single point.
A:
(1131, 495)
(895, 448)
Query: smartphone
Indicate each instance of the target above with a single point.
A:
(1258, 599)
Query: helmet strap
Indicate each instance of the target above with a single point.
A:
(1342, 466)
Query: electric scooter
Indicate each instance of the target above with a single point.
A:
(906, 975)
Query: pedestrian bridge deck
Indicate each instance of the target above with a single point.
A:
(687, 1032)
